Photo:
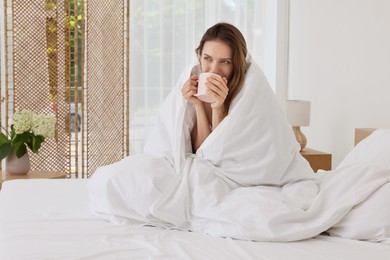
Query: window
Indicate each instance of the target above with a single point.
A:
(163, 37)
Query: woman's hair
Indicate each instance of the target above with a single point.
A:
(231, 36)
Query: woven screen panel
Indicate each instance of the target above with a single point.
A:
(106, 99)
(39, 74)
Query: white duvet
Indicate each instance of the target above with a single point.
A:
(247, 180)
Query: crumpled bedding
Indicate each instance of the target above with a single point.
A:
(246, 181)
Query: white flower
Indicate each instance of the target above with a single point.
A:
(22, 121)
(43, 125)
(28, 130)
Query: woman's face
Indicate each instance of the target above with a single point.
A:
(217, 58)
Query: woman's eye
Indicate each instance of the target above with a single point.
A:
(226, 62)
(207, 58)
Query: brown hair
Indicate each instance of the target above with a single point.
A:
(231, 36)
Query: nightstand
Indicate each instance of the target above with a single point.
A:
(317, 159)
(33, 175)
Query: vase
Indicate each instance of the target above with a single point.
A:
(17, 166)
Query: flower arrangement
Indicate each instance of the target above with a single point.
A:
(27, 130)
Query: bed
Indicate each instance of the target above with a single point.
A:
(51, 219)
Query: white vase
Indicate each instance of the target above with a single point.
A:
(17, 166)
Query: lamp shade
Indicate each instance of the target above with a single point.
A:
(298, 112)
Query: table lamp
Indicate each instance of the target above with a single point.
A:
(298, 114)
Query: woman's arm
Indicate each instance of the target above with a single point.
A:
(218, 89)
(202, 128)
(217, 116)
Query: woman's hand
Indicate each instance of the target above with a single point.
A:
(217, 88)
(190, 88)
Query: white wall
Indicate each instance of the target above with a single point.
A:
(339, 59)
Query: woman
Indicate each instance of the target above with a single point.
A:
(222, 51)
(202, 160)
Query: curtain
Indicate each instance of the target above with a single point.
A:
(163, 37)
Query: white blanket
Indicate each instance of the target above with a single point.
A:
(246, 181)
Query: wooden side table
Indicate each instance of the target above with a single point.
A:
(317, 159)
(34, 175)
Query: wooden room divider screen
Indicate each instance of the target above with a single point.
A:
(70, 58)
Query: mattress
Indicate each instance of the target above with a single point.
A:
(50, 219)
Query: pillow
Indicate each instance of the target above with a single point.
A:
(373, 150)
(369, 220)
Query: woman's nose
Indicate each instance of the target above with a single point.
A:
(214, 67)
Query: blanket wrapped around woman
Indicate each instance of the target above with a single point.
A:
(247, 180)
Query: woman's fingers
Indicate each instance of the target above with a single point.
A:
(217, 87)
(190, 88)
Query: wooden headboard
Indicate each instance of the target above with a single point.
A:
(361, 133)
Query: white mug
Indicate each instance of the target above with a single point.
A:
(202, 89)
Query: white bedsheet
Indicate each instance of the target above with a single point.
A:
(50, 219)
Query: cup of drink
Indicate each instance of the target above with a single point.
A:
(202, 89)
